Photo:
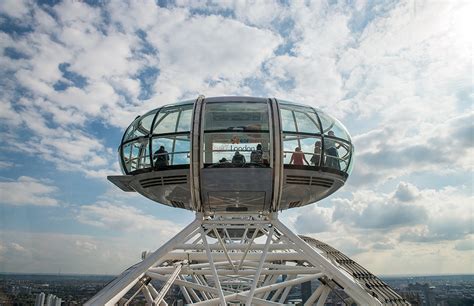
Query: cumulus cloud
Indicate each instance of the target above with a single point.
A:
(313, 220)
(393, 153)
(27, 252)
(124, 218)
(400, 80)
(28, 191)
(378, 211)
(465, 245)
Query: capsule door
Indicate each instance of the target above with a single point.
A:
(236, 155)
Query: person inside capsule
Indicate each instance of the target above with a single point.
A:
(238, 158)
(257, 155)
(332, 156)
(316, 154)
(298, 157)
(161, 158)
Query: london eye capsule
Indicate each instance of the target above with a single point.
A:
(234, 154)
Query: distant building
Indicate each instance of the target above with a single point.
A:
(40, 299)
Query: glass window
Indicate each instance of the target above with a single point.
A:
(302, 150)
(171, 150)
(287, 120)
(140, 127)
(173, 119)
(333, 127)
(185, 120)
(136, 155)
(237, 149)
(236, 116)
(337, 154)
(299, 119)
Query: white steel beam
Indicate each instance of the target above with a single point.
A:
(113, 292)
(259, 268)
(213, 268)
(324, 296)
(161, 295)
(350, 285)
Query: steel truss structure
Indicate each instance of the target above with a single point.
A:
(244, 260)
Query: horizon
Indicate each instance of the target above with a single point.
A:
(397, 74)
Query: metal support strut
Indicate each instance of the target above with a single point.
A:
(244, 259)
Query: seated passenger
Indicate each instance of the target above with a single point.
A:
(332, 156)
(223, 160)
(298, 157)
(316, 154)
(257, 155)
(238, 158)
(161, 158)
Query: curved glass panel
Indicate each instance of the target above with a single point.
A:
(171, 150)
(140, 126)
(136, 155)
(301, 119)
(236, 116)
(301, 150)
(351, 162)
(337, 154)
(333, 127)
(173, 119)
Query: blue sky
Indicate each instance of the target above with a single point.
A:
(74, 74)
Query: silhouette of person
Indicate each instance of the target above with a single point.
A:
(257, 155)
(298, 157)
(161, 158)
(238, 158)
(316, 153)
(332, 156)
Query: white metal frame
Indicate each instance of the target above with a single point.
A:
(212, 265)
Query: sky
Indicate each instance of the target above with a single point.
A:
(398, 74)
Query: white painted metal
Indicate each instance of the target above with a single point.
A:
(212, 267)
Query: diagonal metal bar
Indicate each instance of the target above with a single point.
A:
(318, 260)
(161, 295)
(114, 291)
(260, 266)
(286, 291)
(224, 249)
(213, 268)
(313, 297)
(257, 229)
(185, 292)
(324, 295)
(263, 289)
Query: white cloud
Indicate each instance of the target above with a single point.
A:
(402, 82)
(394, 152)
(28, 191)
(5, 164)
(27, 252)
(124, 218)
(15, 8)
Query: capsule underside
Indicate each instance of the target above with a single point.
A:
(235, 154)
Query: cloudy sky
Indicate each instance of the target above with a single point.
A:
(398, 74)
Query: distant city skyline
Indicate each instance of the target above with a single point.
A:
(397, 74)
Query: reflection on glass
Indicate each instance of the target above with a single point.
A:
(310, 146)
(136, 155)
(173, 119)
(231, 149)
(338, 154)
(171, 150)
(333, 126)
(140, 126)
(299, 119)
(236, 116)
